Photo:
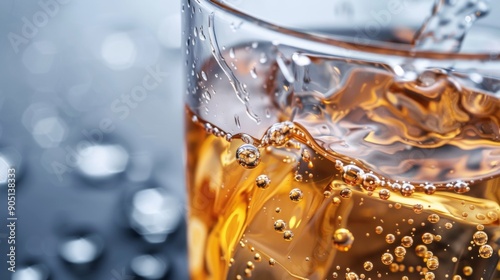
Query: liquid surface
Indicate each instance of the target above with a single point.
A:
(302, 166)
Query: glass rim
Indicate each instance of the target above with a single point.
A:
(376, 47)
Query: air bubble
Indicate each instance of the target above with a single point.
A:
(418, 208)
(421, 250)
(272, 262)
(448, 225)
(343, 239)
(368, 266)
(262, 181)
(296, 195)
(433, 218)
(352, 175)
(370, 182)
(345, 193)
(407, 189)
(485, 251)
(432, 263)
(387, 258)
(461, 187)
(248, 156)
(467, 270)
(407, 241)
(399, 251)
(257, 257)
(427, 238)
(351, 276)
(288, 235)
(336, 200)
(429, 189)
(279, 225)
(480, 237)
(379, 230)
(279, 133)
(429, 276)
(204, 75)
(390, 238)
(384, 194)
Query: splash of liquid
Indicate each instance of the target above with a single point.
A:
(448, 25)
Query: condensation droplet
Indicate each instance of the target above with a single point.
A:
(253, 73)
(262, 181)
(248, 156)
(296, 195)
(343, 239)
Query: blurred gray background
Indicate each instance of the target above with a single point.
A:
(91, 119)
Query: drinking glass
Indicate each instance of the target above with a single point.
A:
(342, 139)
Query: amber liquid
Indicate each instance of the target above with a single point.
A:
(385, 179)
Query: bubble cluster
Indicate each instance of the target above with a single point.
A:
(248, 156)
(279, 134)
(352, 175)
(343, 239)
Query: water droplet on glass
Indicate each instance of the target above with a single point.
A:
(102, 161)
(154, 214)
(31, 272)
(149, 267)
(253, 73)
(370, 182)
(81, 250)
